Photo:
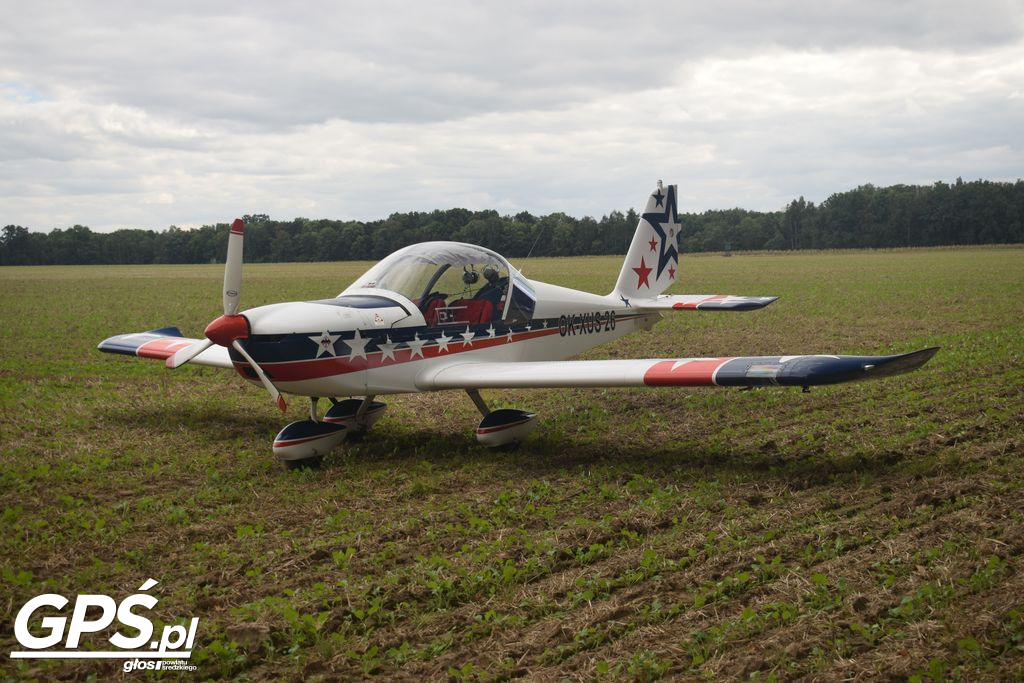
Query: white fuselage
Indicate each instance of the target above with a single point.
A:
(389, 349)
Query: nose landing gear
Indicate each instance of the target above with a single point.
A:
(303, 444)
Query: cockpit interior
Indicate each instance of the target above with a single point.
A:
(453, 283)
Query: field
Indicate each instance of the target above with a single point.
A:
(870, 530)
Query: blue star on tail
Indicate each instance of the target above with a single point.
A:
(669, 217)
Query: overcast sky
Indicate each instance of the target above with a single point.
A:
(149, 114)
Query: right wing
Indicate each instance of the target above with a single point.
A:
(754, 371)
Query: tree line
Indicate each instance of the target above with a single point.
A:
(977, 212)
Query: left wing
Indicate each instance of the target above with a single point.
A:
(703, 302)
(162, 344)
(755, 371)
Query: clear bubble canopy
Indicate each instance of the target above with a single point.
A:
(448, 281)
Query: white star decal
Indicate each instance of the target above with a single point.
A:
(490, 332)
(388, 349)
(510, 334)
(358, 346)
(416, 346)
(442, 341)
(467, 337)
(325, 343)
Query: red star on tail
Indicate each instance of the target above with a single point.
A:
(642, 273)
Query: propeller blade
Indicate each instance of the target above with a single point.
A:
(184, 355)
(274, 393)
(233, 268)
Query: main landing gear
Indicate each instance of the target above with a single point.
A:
(504, 428)
(305, 443)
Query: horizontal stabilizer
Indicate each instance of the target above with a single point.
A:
(755, 371)
(161, 344)
(702, 302)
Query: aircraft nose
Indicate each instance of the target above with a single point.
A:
(303, 317)
(227, 328)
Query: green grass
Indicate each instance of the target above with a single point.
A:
(871, 529)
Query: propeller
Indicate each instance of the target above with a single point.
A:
(274, 393)
(231, 327)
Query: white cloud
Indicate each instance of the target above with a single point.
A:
(127, 115)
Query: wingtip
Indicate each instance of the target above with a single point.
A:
(928, 353)
(237, 227)
(923, 355)
(902, 363)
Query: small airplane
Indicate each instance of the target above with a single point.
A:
(447, 315)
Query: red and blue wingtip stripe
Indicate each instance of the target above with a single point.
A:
(782, 370)
(699, 372)
(161, 344)
(722, 302)
(140, 343)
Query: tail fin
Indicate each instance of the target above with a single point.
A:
(652, 262)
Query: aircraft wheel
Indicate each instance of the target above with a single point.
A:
(311, 463)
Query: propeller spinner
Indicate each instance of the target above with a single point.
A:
(231, 327)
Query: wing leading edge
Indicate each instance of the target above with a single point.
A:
(755, 371)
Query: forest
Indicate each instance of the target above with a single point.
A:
(959, 213)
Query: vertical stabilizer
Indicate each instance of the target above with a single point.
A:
(652, 263)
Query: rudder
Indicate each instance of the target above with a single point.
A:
(652, 262)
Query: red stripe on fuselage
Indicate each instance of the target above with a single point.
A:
(693, 373)
(301, 370)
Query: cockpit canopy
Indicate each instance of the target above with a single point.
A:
(453, 283)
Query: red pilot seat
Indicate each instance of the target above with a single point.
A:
(472, 311)
(430, 310)
(464, 311)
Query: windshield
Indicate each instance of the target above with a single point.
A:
(450, 282)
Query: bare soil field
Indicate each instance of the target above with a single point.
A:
(865, 531)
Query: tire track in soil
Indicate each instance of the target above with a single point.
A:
(850, 568)
(556, 628)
